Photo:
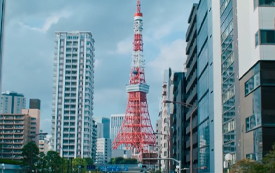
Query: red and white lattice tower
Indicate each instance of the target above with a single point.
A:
(136, 131)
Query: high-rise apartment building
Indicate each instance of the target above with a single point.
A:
(2, 20)
(103, 150)
(103, 127)
(12, 103)
(14, 134)
(72, 125)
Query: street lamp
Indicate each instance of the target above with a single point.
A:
(3, 167)
(189, 106)
(227, 158)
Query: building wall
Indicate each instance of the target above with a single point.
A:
(104, 128)
(191, 89)
(14, 132)
(116, 122)
(34, 123)
(177, 118)
(164, 135)
(94, 140)
(103, 151)
(12, 103)
(73, 94)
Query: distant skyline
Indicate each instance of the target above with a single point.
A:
(29, 47)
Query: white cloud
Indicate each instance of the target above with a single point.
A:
(167, 28)
(171, 55)
(124, 47)
(52, 19)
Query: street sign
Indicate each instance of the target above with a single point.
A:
(90, 167)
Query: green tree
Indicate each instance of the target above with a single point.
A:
(54, 162)
(30, 153)
(42, 163)
(89, 161)
(79, 162)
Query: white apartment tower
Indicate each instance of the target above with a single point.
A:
(73, 94)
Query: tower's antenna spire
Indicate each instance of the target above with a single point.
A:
(138, 6)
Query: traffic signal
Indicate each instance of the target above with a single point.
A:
(80, 166)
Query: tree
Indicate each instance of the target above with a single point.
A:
(250, 166)
(54, 162)
(79, 162)
(42, 163)
(89, 161)
(30, 156)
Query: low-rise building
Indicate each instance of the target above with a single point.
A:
(103, 150)
(14, 134)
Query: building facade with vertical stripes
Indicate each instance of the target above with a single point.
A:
(72, 125)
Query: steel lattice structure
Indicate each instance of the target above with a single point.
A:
(136, 131)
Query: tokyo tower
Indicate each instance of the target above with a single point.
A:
(136, 131)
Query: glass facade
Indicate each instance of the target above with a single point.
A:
(228, 78)
(205, 81)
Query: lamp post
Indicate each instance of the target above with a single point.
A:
(189, 106)
(227, 158)
(31, 137)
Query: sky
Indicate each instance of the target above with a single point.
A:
(30, 28)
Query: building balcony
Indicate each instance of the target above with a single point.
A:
(190, 48)
(193, 95)
(192, 80)
(192, 64)
(191, 41)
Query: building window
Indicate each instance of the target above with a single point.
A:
(257, 39)
(253, 122)
(266, 3)
(252, 83)
(267, 36)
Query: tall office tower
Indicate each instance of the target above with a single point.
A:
(2, 19)
(165, 119)
(177, 119)
(72, 126)
(116, 122)
(203, 88)
(249, 34)
(14, 134)
(12, 103)
(103, 127)
(103, 150)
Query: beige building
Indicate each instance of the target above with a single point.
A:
(34, 123)
(14, 130)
